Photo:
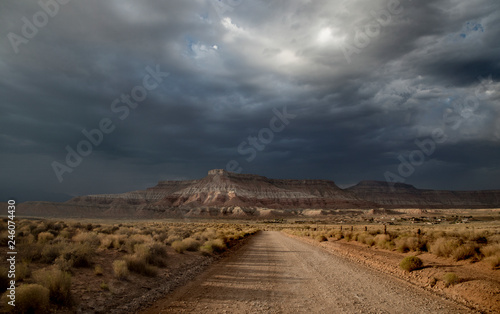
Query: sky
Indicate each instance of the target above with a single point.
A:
(113, 96)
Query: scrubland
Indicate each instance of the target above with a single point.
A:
(460, 261)
(459, 242)
(62, 263)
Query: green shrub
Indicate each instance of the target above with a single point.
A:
(411, 263)
(32, 298)
(58, 282)
(450, 279)
(120, 269)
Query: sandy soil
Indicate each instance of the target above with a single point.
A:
(479, 285)
(274, 273)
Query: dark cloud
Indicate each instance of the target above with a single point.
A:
(427, 66)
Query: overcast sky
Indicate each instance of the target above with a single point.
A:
(339, 89)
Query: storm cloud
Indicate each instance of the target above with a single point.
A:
(363, 84)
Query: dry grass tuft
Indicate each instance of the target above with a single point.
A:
(58, 283)
(31, 298)
(213, 246)
(120, 269)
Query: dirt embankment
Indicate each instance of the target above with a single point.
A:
(479, 286)
(274, 273)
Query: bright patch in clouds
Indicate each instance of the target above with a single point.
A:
(325, 35)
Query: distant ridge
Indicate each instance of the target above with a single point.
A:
(223, 193)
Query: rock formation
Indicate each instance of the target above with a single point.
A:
(223, 193)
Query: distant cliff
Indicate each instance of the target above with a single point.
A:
(223, 193)
(405, 195)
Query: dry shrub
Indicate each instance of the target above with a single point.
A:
(208, 234)
(106, 241)
(22, 271)
(412, 244)
(118, 240)
(348, 236)
(411, 263)
(160, 237)
(321, 238)
(4, 279)
(450, 279)
(338, 235)
(98, 270)
(444, 247)
(491, 249)
(188, 244)
(44, 237)
(138, 264)
(65, 234)
(58, 283)
(464, 251)
(213, 246)
(87, 237)
(172, 238)
(31, 298)
(178, 246)
(365, 238)
(157, 250)
(191, 244)
(152, 254)
(50, 252)
(135, 239)
(31, 252)
(383, 241)
(29, 239)
(120, 269)
(78, 255)
(493, 260)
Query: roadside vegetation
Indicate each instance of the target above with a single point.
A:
(51, 253)
(460, 243)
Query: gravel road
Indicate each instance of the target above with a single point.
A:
(277, 274)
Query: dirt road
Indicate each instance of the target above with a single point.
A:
(277, 274)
